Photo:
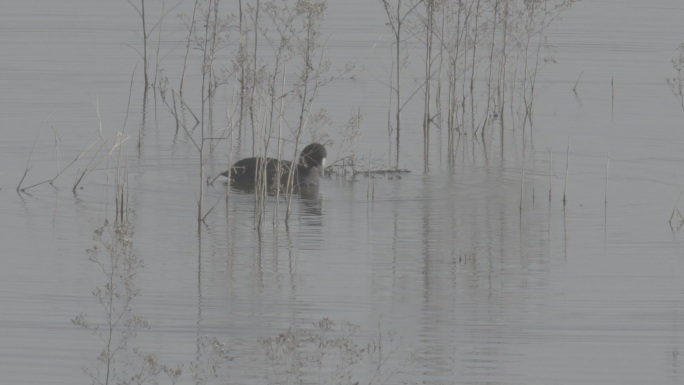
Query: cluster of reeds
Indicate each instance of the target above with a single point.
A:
(481, 59)
(273, 92)
(282, 86)
(479, 65)
(480, 62)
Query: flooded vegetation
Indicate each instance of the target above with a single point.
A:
(471, 191)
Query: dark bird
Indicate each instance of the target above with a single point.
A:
(306, 173)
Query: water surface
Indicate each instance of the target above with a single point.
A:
(451, 271)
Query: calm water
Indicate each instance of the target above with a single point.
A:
(443, 270)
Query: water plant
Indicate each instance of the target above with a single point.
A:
(488, 54)
(113, 255)
(328, 352)
(119, 360)
(146, 34)
(397, 19)
(103, 151)
(676, 82)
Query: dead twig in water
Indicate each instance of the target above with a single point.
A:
(28, 161)
(675, 212)
(381, 172)
(574, 88)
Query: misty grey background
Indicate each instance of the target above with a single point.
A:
(475, 289)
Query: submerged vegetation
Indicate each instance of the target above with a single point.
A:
(327, 352)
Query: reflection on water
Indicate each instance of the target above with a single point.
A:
(311, 203)
(426, 235)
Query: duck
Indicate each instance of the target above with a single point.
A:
(307, 171)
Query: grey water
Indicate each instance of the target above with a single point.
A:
(473, 274)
